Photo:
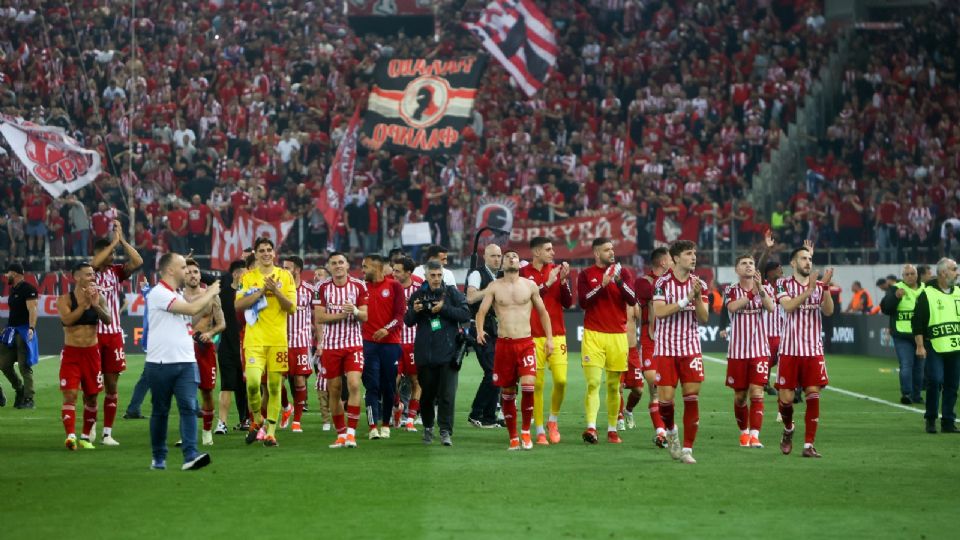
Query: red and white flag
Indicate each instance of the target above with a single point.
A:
(521, 38)
(229, 243)
(340, 175)
(51, 156)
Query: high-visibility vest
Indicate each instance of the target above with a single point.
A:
(943, 329)
(906, 306)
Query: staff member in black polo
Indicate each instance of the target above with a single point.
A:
(437, 310)
(483, 413)
(19, 339)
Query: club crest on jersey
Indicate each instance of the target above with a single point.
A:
(385, 293)
(730, 380)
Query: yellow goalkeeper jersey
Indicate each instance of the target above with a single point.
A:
(270, 328)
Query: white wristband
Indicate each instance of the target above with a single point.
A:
(684, 302)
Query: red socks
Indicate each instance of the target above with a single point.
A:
(526, 406)
(89, 418)
(756, 413)
(207, 419)
(666, 414)
(654, 409)
(632, 401)
(284, 400)
(786, 414)
(353, 416)
(691, 419)
(508, 402)
(299, 400)
(413, 408)
(69, 415)
(740, 412)
(109, 410)
(340, 424)
(812, 418)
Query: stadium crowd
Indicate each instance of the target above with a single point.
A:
(665, 109)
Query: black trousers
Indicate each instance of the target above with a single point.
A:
(484, 406)
(438, 385)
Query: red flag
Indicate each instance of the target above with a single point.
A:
(340, 175)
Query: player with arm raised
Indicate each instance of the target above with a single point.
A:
(341, 306)
(604, 290)
(680, 307)
(748, 354)
(556, 294)
(804, 299)
(513, 298)
(109, 277)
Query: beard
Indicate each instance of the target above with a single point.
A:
(803, 273)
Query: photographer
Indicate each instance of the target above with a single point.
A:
(437, 310)
(483, 413)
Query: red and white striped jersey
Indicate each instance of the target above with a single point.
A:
(346, 333)
(678, 334)
(409, 333)
(747, 336)
(108, 283)
(773, 320)
(803, 328)
(300, 324)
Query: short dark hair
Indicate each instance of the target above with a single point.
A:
(80, 266)
(742, 257)
(396, 254)
(237, 265)
(793, 254)
(600, 241)
(923, 269)
(262, 240)
(432, 265)
(680, 246)
(881, 282)
(375, 257)
(539, 241)
(337, 254)
(193, 262)
(165, 261)
(250, 261)
(297, 261)
(408, 264)
(435, 251)
(658, 254)
(101, 244)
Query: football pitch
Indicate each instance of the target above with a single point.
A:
(881, 476)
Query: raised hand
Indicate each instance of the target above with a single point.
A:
(828, 276)
(768, 240)
(564, 270)
(117, 231)
(214, 288)
(757, 281)
(696, 289)
(808, 244)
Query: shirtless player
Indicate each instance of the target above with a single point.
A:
(515, 359)
(207, 324)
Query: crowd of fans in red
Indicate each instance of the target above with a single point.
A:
(887, 175)
(664, 109)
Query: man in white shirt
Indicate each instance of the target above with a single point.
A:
(171, 365)
(287, 147)
(438, 254)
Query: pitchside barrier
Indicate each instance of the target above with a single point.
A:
(844, 334)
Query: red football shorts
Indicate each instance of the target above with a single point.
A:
(299, 361)
(741, 373)
(336, 362)
(80, 368)
(633, 376)
(774, 342)
(513, 359)
(801, 371)
(684, 369)
(112, 357)
(206, 355)
(406, 365)
(646, 351)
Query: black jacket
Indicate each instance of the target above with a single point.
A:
(437, 347)
(888, 306)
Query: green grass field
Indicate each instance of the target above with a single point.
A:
(881, 477)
